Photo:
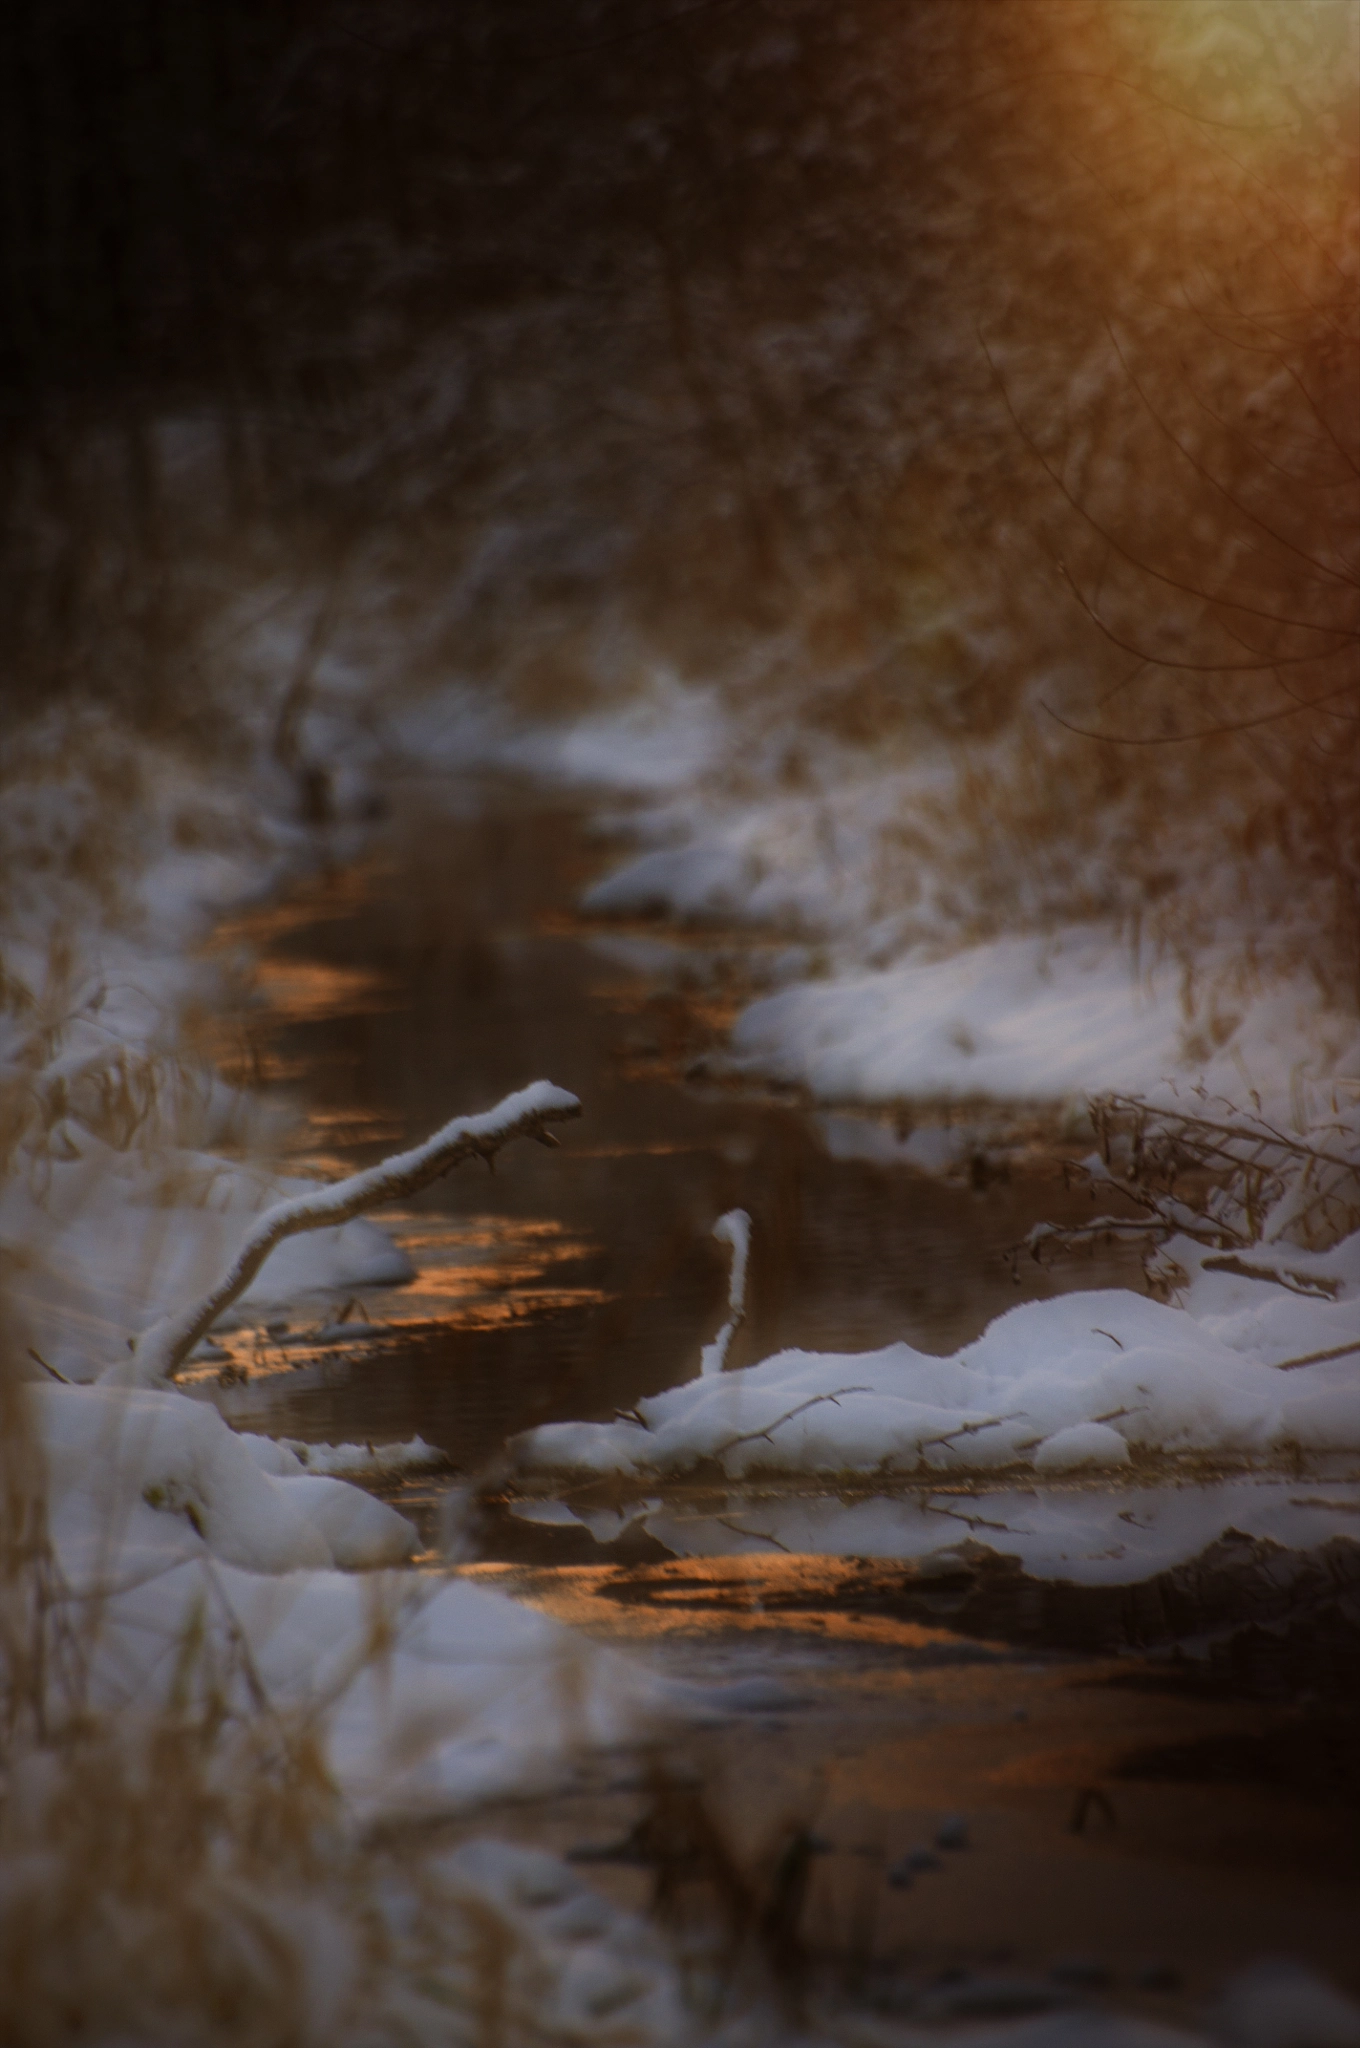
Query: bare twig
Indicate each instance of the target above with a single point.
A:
(1246, 1130)
(970, 1521)
(40, 1360)
(1266, 1182)
(1318, 1357)
(752, 1435)
(970, 1429)
(1188, 1224)
(1295, 1283)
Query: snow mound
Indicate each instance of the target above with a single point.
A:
(363, 1461)
(1083, 1381)
(138, 1479)
(431, 1695)
(1084, 1444)
(167, 1529)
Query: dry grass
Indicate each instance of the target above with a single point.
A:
(125, 1096)
(97, 989)
(185, 1870)
(176, 1873)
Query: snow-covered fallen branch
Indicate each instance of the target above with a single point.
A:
(162, 1349)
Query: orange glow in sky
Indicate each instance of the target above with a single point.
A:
(1258, 98)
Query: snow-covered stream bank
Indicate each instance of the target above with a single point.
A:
(927, 934)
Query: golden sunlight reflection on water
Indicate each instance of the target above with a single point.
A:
(300, 990)
(457, 1286)
(781, 1596)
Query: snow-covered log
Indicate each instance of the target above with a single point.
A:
(162, 1349)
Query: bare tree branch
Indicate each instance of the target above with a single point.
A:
(1344, 633)
(1328, 569)
(1199, 732)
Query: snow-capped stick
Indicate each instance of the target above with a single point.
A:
(735, 1229)
(161, 1350)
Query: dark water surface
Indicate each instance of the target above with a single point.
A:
(453, 968)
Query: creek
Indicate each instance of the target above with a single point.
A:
(451, 967)
(1149, 1820)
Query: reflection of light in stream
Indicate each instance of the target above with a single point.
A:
(1091, 1534)
(456, 1287)
(353, 1126)
(456, 1284)
(795, 1592)
(336, 894)
(298, 991)
(466, 1306)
